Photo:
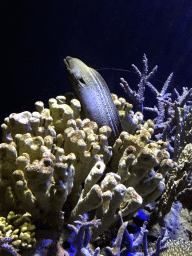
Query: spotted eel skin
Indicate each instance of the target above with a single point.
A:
(94, 96)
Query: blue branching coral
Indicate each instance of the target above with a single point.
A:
(81, 236)
(131, 245)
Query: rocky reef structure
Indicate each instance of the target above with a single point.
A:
(57, 166)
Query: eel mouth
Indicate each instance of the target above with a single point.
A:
(67, 61)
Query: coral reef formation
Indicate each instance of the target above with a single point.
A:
(59, 167)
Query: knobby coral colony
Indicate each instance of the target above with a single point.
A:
(56, 165)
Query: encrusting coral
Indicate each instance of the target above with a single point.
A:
(54, 164)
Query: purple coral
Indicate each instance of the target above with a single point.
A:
(124, 238)
(4, 245)
(81, 236)
(161, 97)
(168, 105)
(138, 97)
(49, 247)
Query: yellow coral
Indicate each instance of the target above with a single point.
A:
(56, 154)
(19, 228)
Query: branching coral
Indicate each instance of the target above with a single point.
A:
(169, 105)
(125, 244)
(4, 246)
(80, 237)
(138, 97)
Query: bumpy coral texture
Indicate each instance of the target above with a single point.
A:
(178, 247)
(46, 156)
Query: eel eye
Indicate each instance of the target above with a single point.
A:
(82, 81)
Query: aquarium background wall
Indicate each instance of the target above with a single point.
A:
(37, 35)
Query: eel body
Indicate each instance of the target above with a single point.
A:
(94, 96)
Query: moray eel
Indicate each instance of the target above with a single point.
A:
(94, 96)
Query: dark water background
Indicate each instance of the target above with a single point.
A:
(37, 35)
